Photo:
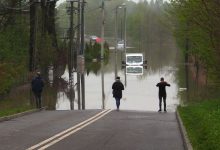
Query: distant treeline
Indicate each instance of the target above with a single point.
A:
(139, 16)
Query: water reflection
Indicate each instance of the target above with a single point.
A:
(134, 70)
(140, 93)
(63, 102)
(50, 75)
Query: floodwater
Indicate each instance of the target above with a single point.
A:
(140, 82)
(140, 91)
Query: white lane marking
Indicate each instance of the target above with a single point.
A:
(68, 130)
(75, 130)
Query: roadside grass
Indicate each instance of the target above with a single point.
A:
(202, 122)
(9, 107)
(13, 111)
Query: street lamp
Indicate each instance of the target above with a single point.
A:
(103, 28)
(116, 40)
(125, 27)
(125, 37)
(116, 35)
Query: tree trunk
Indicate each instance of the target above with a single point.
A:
(32, 42)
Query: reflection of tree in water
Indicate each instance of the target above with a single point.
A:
(60, 84)
(50, 93)
(93, 66)
(93, 55)
(71, 96)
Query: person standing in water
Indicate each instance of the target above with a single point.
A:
(117, 91)
(162, 93)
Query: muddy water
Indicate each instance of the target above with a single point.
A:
(140, 91)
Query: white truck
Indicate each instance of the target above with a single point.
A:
(134, 59)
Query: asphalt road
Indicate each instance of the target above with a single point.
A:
(123, 130)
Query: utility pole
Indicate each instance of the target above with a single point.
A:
(33, 39)
(33, 35)
(116, 41)
(70, 56)
(78, 53)
(79, 49)
(71, 36)
(125, 29)
(75, 47)
(125, 39)
(102, 53)
(82, 53)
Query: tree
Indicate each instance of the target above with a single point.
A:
(199, 21)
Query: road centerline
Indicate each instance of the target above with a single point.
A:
(64, 134)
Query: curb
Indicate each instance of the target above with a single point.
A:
(186, 143)
(6, 118)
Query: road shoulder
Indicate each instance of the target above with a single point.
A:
(186, 141)
(6, 118)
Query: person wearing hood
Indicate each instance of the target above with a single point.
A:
(117, 91)
(37, 85)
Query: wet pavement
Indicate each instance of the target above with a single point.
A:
(118, 130)
(23, 132)
(127, 130)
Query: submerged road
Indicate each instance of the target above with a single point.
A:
(92, 130)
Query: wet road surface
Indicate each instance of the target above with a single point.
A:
(123, 130)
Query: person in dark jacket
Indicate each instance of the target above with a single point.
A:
(117, 87)
(162, 93)
(37, 85)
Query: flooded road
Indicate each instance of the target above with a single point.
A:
(140, 91)
(140, 82)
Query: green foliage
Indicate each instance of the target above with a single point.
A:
(12, 111)
(13, 55)
(93, 51)
(47, 53)
(6, 78)
(10, 74)
(14, 44)
(198, 22)
(203, 124)
(9, 107)
(93, 66)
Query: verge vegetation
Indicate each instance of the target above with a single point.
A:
(196, 28)
(202, 123)
(9, 107)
